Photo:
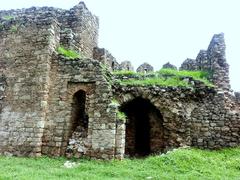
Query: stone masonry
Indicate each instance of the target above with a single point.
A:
(169, 66)
(145, 68)
(56, 106)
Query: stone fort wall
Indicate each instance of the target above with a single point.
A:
(201, 117)
(37, 86)
(55, 106)
(78, 26)
(25, 63)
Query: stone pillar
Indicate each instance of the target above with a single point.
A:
(120, 139)
(219, 65)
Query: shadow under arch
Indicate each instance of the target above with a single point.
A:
(79, 117)
(144, 128)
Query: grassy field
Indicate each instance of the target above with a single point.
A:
(178, 164)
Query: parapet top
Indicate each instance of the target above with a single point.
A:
(45, 10)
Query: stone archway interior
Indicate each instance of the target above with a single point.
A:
(144, 128)
(79, 116)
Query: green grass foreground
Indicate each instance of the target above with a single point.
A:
(177, 164)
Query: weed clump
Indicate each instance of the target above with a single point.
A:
(68, 53)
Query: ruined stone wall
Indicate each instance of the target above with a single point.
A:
(212, 60)
(26, 46)
(144, 68)
(190, 65)
(175, 119)
(66, 80)
(126, 66)
(201, 117)
(3, 85)
(106, 58)
(237, 96)
(216, 122)
(37, 86)
(219, 65)
(84, 26)
(79, 27)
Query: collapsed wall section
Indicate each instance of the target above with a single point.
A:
(212, 60)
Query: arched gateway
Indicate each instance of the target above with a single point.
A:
(144, 128)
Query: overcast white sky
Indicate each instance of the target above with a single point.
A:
(158, 31)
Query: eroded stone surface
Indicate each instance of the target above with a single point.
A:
(168, 65)
(126, 65)
(212, 60)
(144, 68)
(39, 113)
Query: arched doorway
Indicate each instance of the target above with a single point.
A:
(144, 128)
(79, 115)
(78, 131)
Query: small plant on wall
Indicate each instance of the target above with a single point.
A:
(121, 116)
(68, 53)
(14, 28)
(8, 17)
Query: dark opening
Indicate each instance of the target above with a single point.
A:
(145, 70)
(113, 64)
(79, 116)
(144, 128)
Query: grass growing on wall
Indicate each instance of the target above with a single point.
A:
(163, 77)
(178, 164)
(202, 76)
(184, 73)
(68, 53)
(126, 73)
(7, 17)
(173, 81)
(121, 116)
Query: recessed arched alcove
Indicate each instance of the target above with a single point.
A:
(144, 128)
(78, 128)
(79, 115)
